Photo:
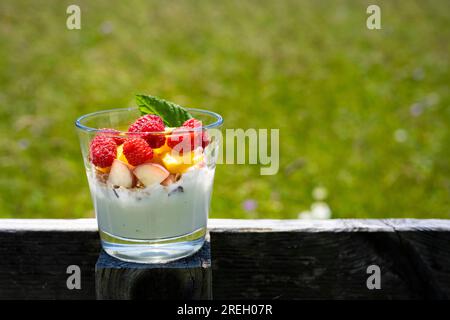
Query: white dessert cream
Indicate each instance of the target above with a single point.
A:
(155, 212)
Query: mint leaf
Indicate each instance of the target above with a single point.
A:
(172, 114)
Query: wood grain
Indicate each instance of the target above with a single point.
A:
(184, 279)
(35, 254)
(273, 259)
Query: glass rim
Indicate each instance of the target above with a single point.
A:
(215, 124)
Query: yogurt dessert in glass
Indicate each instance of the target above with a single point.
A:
(150, 171)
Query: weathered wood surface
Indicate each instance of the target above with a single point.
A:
(329, 260)
(35, 254)
(273, 259)
(184, 279)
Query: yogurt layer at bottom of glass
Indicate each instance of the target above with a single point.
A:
(156, 212)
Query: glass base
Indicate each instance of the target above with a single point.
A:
(152, 251)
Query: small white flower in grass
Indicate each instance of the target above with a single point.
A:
(418, 74)
(432, 99)
(107, 27)
(305, 215)
(320, 210)
(320, 193)
(400, 135)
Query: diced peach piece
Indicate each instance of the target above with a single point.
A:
(103, 170)
(120, 155)
(172, 178)
(181, 163)
(150, 173)
(120, 175)
(164, 149)
(159, 153)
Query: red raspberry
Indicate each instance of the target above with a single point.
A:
(181, 140)
(137, 151)
(102, 151)
(150, 123)
(194, 123)
(113, 133)
(205, 139)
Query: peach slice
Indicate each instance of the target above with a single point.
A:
(180, 164)
(120, 175)
(150, 173)
(120, 154)
(172, 178)
(103, 170)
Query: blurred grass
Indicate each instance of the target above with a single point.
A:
(362, 113)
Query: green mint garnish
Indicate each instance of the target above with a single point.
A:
(172, 114)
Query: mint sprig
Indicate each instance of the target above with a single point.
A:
(172, 114)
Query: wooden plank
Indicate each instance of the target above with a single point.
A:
(329, 260)
(35, 254)
(295, 225)
(250, 258)
(184, 279)
(426, 250)
(62, 225)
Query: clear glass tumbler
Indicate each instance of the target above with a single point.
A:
(148, 222)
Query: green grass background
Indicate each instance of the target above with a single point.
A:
(338, 92)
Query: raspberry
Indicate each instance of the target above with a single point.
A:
(149, 123)
(194, 123)
(102, 151)
(113, 133)
(205, 139)
(182, 140)
(137, 151)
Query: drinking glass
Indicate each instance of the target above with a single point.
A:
(161, 222)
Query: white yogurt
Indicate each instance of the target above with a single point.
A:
(155, 212)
